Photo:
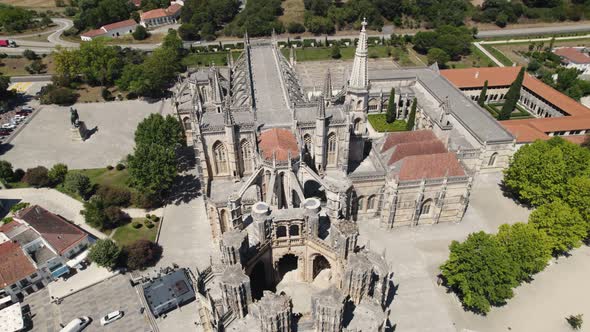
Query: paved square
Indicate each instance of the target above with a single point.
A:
(107, 296)
(47, 139)
(44, 315)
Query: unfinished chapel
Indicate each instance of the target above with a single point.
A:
(288, 174)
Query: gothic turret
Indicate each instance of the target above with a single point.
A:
(320, 134)
(327, 90)
(358, 83)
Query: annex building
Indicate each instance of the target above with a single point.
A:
(287, 176)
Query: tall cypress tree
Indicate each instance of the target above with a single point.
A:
(482, 95)
(391, 107)
(412, 116)
(512, 96)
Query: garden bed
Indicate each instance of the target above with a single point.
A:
(379, 123)
(127, 234)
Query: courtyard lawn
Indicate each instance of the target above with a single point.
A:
(379, 124)
(518, 113)
(126, 234)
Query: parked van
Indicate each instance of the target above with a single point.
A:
(76, 325)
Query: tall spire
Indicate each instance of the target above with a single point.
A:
(359, 75)
(321, 113)
(327, 90)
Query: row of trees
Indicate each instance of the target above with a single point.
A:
(136, 256)
(201, 19)
(17, 19)
(502, 12)
(93, 14)
(552, 176)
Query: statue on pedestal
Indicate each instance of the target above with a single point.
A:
(74, 118)
(79, 131)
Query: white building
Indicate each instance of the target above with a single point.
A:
(112, 30)
(574, 57)
(161, 16)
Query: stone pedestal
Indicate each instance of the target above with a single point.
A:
(80, 133)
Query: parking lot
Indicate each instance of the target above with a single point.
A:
(96, 301)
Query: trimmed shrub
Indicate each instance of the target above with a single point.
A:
(18, 175)
(6, 172)
(110, 167)
(116, 217)
(120, 167)
(36, 177)
(57, 174)
(149, 224)
(113, 196)
(137, 225)
(77, 183)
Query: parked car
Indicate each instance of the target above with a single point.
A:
(27, 108)
(76, 325)
(4, 133)
(111, 317)
(8, 126)
(23, 112)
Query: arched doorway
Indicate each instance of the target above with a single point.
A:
(319, 264)
(287, 263)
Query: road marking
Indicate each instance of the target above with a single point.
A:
(20, 87)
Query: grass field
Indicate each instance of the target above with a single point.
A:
(379, 123)
(293, 11)
(101, 177)
(126, 234)
(498, 55)
(346, 53)
(475, 59)
(16, 66)
(30, 3)
(206, 59)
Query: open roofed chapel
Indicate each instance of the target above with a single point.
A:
(288, 174)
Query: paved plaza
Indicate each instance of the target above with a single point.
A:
(47, 139)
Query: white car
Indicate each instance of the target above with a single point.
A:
(111, 317)
(8, 126)
(76, 325)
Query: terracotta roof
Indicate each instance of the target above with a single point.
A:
(504, 76)
(94, 33)
(404, 150)
(393, 139)
(573, 55)
(6, 228)
(173, 9)
(430, 166)
(59, 233)
(280, 142)
(14, 264)
(154, 13)
(525, 133)
(576, 139)
(118, 25)
(476, 77)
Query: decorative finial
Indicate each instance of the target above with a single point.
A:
(364, 24)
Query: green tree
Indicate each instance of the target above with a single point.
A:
(140, 33)
(482, 96)
(36, 177)
(57, 173)
(142, 254)
(36, 67)
(94, 213)
(156, 129)
(412, 116)
(105, 253)
(335, 51)
(575, 321)
(188, 31)
(563, 224)
(539, 172)
(436, 55)
(6, 172)
(153, 168)
(173, 42)
(529, 248)
(77, 183)
(512, 96)
(391, 107)
(578, 195)
(100, 63)
(480, 271)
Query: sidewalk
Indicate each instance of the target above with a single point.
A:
(93, 274)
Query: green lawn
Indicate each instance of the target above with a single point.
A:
(378, 122)
(518, 113)
(498, 55)
(101, 177)
(126, 234)
(347, 53)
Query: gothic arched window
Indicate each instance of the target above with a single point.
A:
(425, 209)
(332, 149)
(187, 123)
(307, 142)
(246, 151)
(361, 203)
(220, 158)
(492, 161)
(371, 203)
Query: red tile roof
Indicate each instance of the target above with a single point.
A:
(406, 137)
(504, 76)
(154, 13)
(118, 25)
(404, 150)
(573, 55)
(94, 33)
(59, 233)
(430, 166)
(6, 228)
(524, 133)
(279, 141)
(173, 9)
(14, 264)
